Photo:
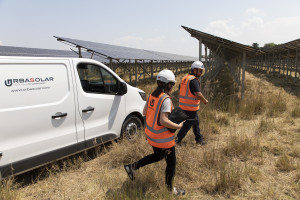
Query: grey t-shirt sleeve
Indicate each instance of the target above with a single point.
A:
(166, 106)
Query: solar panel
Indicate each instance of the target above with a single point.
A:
(120, 52)
(35, 52)
(174, 57)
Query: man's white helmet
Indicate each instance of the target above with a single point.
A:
(166, 76)
(198, 65)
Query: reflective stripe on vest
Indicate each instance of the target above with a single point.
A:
(188, 101)
(157, 135)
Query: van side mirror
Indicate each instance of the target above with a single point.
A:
(122, 88)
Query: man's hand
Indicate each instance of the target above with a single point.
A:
(181, 124)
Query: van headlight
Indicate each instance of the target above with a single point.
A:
(143, 95)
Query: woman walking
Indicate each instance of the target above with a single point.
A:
(157, 110)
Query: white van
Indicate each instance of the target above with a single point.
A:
(51, 108)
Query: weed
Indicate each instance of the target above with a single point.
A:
(295, 153)
(212, 158)
(7, 189)
(253, 173)
(289, 121)
(265, 125)
(223, 120)
(295, 112)
(229, 178)
(285, 163)
(297, 180)
(276, 105)
(234, 105)
(251, 106)
(240, 146)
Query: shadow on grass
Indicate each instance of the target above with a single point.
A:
(222, 90)
(70, 163)
(288, 83)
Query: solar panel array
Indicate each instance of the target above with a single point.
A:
(120, 52)
(35, 52)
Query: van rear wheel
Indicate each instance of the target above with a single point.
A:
(131, 128)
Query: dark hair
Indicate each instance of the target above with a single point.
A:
(161, 87)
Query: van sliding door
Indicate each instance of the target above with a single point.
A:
(37, 113)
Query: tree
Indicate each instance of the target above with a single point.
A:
(255, 45)
(269, 45)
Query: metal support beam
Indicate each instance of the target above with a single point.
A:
(206, 58)
(296, 63)
(110, 64)
(79, 52)
(136, 72)
(200, 49)
(243, 74)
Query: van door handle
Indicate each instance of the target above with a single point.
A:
(88, 109)
(59, 115)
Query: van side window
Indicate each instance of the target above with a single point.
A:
(95, 79)
(110, 82)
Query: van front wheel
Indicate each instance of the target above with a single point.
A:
(131, 128)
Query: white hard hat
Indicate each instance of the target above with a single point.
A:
(197, 65)
(166, 76)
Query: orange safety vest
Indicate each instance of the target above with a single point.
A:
(188, 101)
(157, 135)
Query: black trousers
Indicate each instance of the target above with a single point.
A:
(169, 155)
(188, 124)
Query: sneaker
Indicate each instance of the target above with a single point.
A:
(130, 171)
(176, 191)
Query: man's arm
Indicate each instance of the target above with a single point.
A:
(195, 88)
(200, 96)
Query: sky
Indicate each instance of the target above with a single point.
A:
(151, 25)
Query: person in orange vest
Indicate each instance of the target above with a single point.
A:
(189, 101)
(157, 110)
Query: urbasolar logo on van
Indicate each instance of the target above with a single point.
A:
(10, 82)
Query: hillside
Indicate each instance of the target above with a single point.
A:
(252, 152)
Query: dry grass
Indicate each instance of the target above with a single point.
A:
(241, 146)
(252, 153)
(296, 112)
(8, 190)
(285, 163)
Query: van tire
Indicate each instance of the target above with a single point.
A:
(131, 128)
